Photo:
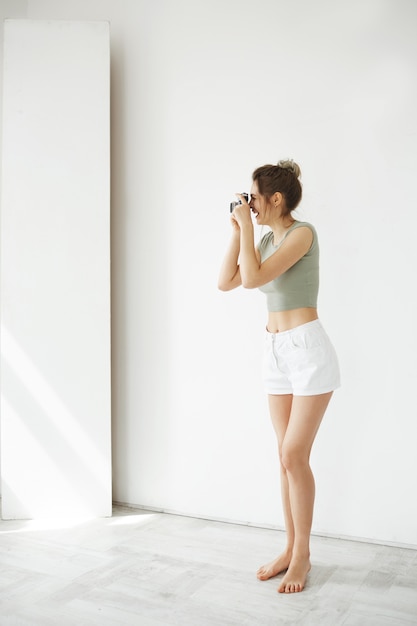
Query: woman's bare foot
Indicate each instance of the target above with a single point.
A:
(296, 576)
(280, 564)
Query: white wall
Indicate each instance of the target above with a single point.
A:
(55, 270)
(203, 92)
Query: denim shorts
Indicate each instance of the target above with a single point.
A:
(301, 361)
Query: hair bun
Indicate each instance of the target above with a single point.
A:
(291, 165)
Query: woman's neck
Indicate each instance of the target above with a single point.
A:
(281, 226)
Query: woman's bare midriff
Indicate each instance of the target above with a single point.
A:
(279, 321)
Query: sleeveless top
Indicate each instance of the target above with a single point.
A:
(299, 285)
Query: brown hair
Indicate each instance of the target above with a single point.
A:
(283, 177)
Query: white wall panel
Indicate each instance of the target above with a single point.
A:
(55, 270)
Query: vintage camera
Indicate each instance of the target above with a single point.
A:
(233, 204)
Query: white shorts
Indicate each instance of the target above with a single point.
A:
(300, 361)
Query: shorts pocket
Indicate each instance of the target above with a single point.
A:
(307, 341)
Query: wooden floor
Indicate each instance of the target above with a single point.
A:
(154, 569)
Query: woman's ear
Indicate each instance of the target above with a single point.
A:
(277, 198)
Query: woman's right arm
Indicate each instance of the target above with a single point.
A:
(229, 277)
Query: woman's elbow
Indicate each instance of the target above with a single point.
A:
(249, 283)
(224, 286)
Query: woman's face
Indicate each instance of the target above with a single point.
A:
(260, 206)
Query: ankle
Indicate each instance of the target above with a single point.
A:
(301, 553)
(289, 551)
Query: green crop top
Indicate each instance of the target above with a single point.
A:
(299, 285)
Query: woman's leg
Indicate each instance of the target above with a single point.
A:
(280, 411)
(296, 422)
(306, 415)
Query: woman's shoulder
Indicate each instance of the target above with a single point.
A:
(315, 243)
(299, 224)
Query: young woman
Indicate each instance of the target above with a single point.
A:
(300, 368)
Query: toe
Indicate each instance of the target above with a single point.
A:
(261, 572)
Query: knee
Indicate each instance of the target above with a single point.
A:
(292, 458)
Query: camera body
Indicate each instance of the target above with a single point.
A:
(233, 204)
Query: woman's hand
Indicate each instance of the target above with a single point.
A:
(234, 223)
(241, 213)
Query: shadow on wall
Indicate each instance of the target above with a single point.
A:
(34, 479)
